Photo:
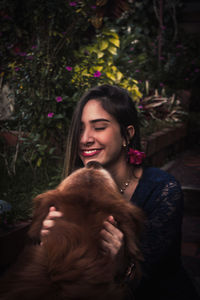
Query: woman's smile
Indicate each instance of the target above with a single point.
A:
(90, 153)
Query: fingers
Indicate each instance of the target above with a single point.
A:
(112, 237)
(49, 222)
(53, 213)
(112, 220)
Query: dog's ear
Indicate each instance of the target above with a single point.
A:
(41, 205)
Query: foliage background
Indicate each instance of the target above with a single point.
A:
(52, 52)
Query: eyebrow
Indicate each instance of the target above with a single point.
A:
(99, 120)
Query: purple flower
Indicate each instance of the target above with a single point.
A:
(72, 3)
(17, 69)
(59, 99)
(137, 71)
(140, 106)
(97, 74)
(161, 84)
(196, 70)
(68, 68)
(93, 7)
(50, 115)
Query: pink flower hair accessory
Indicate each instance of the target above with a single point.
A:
(135, 156)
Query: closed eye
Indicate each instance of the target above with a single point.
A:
(99, 128)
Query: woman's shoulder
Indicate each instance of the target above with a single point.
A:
(157, 175)
(154, 184)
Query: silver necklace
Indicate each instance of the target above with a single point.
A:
(124, 186)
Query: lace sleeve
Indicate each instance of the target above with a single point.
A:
(161, 239)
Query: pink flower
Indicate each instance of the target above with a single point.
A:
(50, 115)
(68, 68)
(72, 3)
(59, 99)
(17, 69)
(97, 74)
(135, 156)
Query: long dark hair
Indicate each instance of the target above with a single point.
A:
(118, 103)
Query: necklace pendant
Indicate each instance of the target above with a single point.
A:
(122, 189)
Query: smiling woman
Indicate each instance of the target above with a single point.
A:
(106, 122)
(105, 128)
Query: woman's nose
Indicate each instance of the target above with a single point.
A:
(86, 137)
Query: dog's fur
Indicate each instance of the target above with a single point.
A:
(70, 263)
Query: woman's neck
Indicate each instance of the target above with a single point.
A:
(127, 179)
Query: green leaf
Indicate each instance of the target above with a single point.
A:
(112, 50)
(110, 75)
(100, 54)
(39, 161)
(59, 125)
(119, 76)
(103, 45)
(115, 42)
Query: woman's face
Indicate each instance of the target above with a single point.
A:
(100, 139)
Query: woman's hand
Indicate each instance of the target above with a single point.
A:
(112, 237)
(49, 221)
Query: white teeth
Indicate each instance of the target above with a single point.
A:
(89, 151)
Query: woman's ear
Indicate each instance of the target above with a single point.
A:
(130, 131)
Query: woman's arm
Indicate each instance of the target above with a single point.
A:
(161, 241)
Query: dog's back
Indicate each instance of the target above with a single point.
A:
(70, 263)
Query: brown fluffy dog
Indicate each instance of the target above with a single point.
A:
(70, 263)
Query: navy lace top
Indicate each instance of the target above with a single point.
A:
(160, 196)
